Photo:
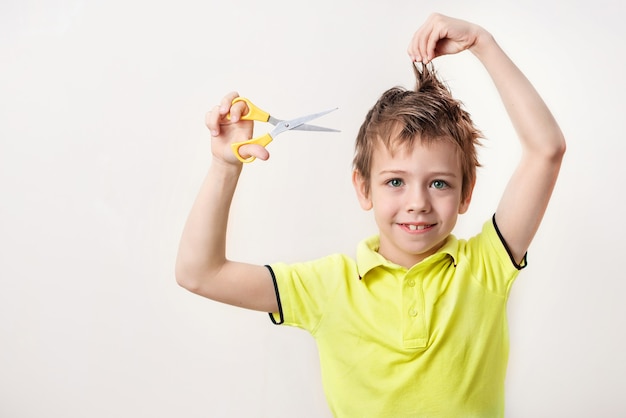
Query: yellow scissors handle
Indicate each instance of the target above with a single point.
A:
(261, 140)
(254, 113)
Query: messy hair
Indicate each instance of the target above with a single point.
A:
(428, 114)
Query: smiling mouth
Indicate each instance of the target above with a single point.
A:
(420, 227)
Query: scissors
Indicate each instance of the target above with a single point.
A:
(255, 113)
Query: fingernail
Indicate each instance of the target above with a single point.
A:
(214, 133)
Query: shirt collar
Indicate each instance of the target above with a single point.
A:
(368, 257)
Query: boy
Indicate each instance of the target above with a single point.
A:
(416, 325)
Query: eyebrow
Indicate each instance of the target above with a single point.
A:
(403, 172)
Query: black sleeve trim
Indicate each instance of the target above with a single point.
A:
(519, 266)
(280, 306)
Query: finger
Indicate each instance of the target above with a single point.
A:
(216, 114)
(413, 49)
(431, 44)
(237, 110)
(212, 120)
(438, 32)
(254, 150)
(424, 34)
(226, 102)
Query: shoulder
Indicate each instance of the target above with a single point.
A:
(487, 259)
(489, 245)
(304, 289)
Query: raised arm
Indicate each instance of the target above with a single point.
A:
(528, 192)
(201, 265)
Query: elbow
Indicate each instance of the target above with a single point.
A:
(183, 279)
(186, 278)
(553, 156)
(197, 279)
(558, 144)
(551, 149)
(559, 148)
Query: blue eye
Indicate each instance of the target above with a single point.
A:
(395, 182)
(439, 184)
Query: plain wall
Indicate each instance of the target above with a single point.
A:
(103, 148)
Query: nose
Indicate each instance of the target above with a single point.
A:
(417, 200)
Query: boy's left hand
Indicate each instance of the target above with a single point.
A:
(443, 35)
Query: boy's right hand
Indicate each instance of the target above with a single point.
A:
(228, 130)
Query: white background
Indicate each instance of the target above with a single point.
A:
(103, 148)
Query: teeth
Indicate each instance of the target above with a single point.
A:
(417, 227)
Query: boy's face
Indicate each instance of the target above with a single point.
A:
(416, 197)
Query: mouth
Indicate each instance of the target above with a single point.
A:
(417, 227)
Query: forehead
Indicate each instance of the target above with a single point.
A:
(428, 155)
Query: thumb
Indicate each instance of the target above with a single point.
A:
(254, 150)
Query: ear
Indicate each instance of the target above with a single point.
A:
(362, 192)
(464, 205)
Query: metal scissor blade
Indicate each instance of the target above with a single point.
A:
(287, 125)
(307, 127)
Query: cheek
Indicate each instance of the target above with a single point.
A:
(450, 206)
(384, 207)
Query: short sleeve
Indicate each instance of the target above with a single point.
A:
(490, 261)
(303, 290)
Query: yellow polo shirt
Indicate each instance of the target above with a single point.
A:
(430, 341)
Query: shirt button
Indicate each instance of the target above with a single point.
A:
(411, 283)
(413, 312)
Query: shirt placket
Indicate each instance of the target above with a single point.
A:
(414, 330)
